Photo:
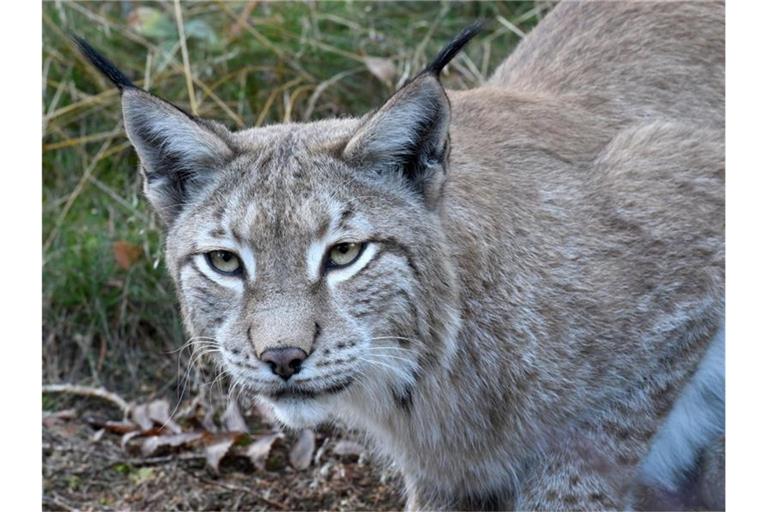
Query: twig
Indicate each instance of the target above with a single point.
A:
(152, 461)
(55, 500)
(209, 92)
(510, 26)
(266, 43)
(77, 141)
(119, 200)
(242, 21)
(251, 492)
(102, 393)
(185, 56)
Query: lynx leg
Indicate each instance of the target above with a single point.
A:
(575, 477)
(596, 467)
(712, 480)
(424, 497)
(703, 487)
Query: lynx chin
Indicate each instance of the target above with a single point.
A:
(515, 292)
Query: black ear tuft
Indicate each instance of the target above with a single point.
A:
(102, 64)
(451, 49)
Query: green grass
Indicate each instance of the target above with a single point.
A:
(287, 61)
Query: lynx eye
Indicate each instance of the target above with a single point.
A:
(343, 254)
(224, 262)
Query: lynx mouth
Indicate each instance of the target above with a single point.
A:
(308, 394)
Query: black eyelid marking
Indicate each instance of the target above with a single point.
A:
(204, 275)
(238, 272)
(327, 266)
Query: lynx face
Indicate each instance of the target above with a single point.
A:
(310, 258)
(293, 251)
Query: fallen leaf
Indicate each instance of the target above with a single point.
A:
(127, 437)
(242, 20)
(345, 447)
(258, 451)
(151, 22)
(232, 419)
(141, 475)
(51, 418)
(217, 447)
(96, 437)
(158, 412)
(151, 444)
(301, 453)
(140, 416)
(120, 427)
(383, 69)
(126, 253)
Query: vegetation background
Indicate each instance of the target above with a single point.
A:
(109, 311)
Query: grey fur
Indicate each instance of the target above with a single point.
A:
(532, 302)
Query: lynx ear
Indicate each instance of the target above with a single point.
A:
(178, 153)
(409, 134)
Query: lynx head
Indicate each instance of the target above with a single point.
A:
(310, 257)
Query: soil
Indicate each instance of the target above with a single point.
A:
(86, 468)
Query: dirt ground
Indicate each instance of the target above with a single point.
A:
(86, 467)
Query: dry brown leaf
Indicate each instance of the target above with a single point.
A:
(127, 437)
(158, 412)
(258, 451)
(345, 447)
(120, 427)
(126, 253)
(232, 419)
(51, 418)
(383, 69)
(151, 444)
(216, 448)
(242, 20)
(140, 416)
(301, 453)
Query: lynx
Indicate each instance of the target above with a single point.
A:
(515, 292)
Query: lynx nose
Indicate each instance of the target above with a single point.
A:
(284, 361)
